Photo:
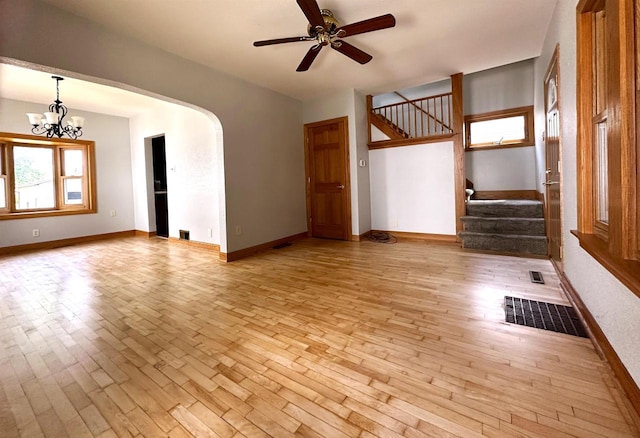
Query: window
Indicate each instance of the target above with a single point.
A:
(608, 220)
(500, 129)
(45, 177)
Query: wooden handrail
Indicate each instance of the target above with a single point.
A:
(427, 113)
(435, 96)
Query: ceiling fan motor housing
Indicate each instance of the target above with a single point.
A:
(331, 24)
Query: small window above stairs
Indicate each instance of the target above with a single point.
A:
(505, 226)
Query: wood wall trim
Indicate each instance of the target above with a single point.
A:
(148, 234)
(195, 243)
(246, 252)
(603, 347)
(65, 242)
(506, 194)
(458, 149)
(361, 237)
(584, 105)
(403, 235)
(384, 144)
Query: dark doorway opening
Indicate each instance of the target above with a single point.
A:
(160, 185)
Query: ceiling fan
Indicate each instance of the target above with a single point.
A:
(325, 30)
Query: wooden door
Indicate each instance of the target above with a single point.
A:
(328, 188)
(553, 168)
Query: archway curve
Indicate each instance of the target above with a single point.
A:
(11, 90)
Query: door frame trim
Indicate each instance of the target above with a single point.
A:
(554, 61)
(347, 172)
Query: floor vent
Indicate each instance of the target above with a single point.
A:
(536, 277)
(282, 245)
(545, 316)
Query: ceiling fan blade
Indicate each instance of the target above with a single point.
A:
(280, 41)
(311, 10)
(377, 23)
(309, 58)
(352, 52)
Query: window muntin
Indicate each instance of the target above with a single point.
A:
(45, 177)
(506, 128)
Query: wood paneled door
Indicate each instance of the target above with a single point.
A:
(552, 148)
(327, 172)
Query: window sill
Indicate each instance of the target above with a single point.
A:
(497, 146)
(627, 271)
(44, 213)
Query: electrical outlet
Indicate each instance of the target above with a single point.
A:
(210, 232)
(113, 213)
(394, 223)
(238, 230)
(35, 232)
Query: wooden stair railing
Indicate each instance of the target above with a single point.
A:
(418, 118)
(387, 127)
(426, 113)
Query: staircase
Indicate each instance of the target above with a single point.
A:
(390, 129)
(506, 226)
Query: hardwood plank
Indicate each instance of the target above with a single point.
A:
(321, 338)
(192, 423)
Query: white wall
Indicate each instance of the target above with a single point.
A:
(113, 173)
(508, 86)
(263, 154)
(502, 169)
(412, 189)
(194, 162)
(351, 104)
(614, 307)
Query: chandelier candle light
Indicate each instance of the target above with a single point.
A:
(52, 122)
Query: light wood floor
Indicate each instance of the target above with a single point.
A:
(139, 337)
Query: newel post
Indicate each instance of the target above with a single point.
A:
(458, 148)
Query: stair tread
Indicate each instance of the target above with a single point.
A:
(517, 202)
(507, 236)
(502, 218)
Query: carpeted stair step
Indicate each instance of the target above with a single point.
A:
(508, 243)
(504, 225)
(505, 208)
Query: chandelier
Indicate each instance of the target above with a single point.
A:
(52, 122)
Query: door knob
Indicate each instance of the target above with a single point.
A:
(549, 183)
(341, 186)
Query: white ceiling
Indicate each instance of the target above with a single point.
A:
(28, 85)
(432, 38)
